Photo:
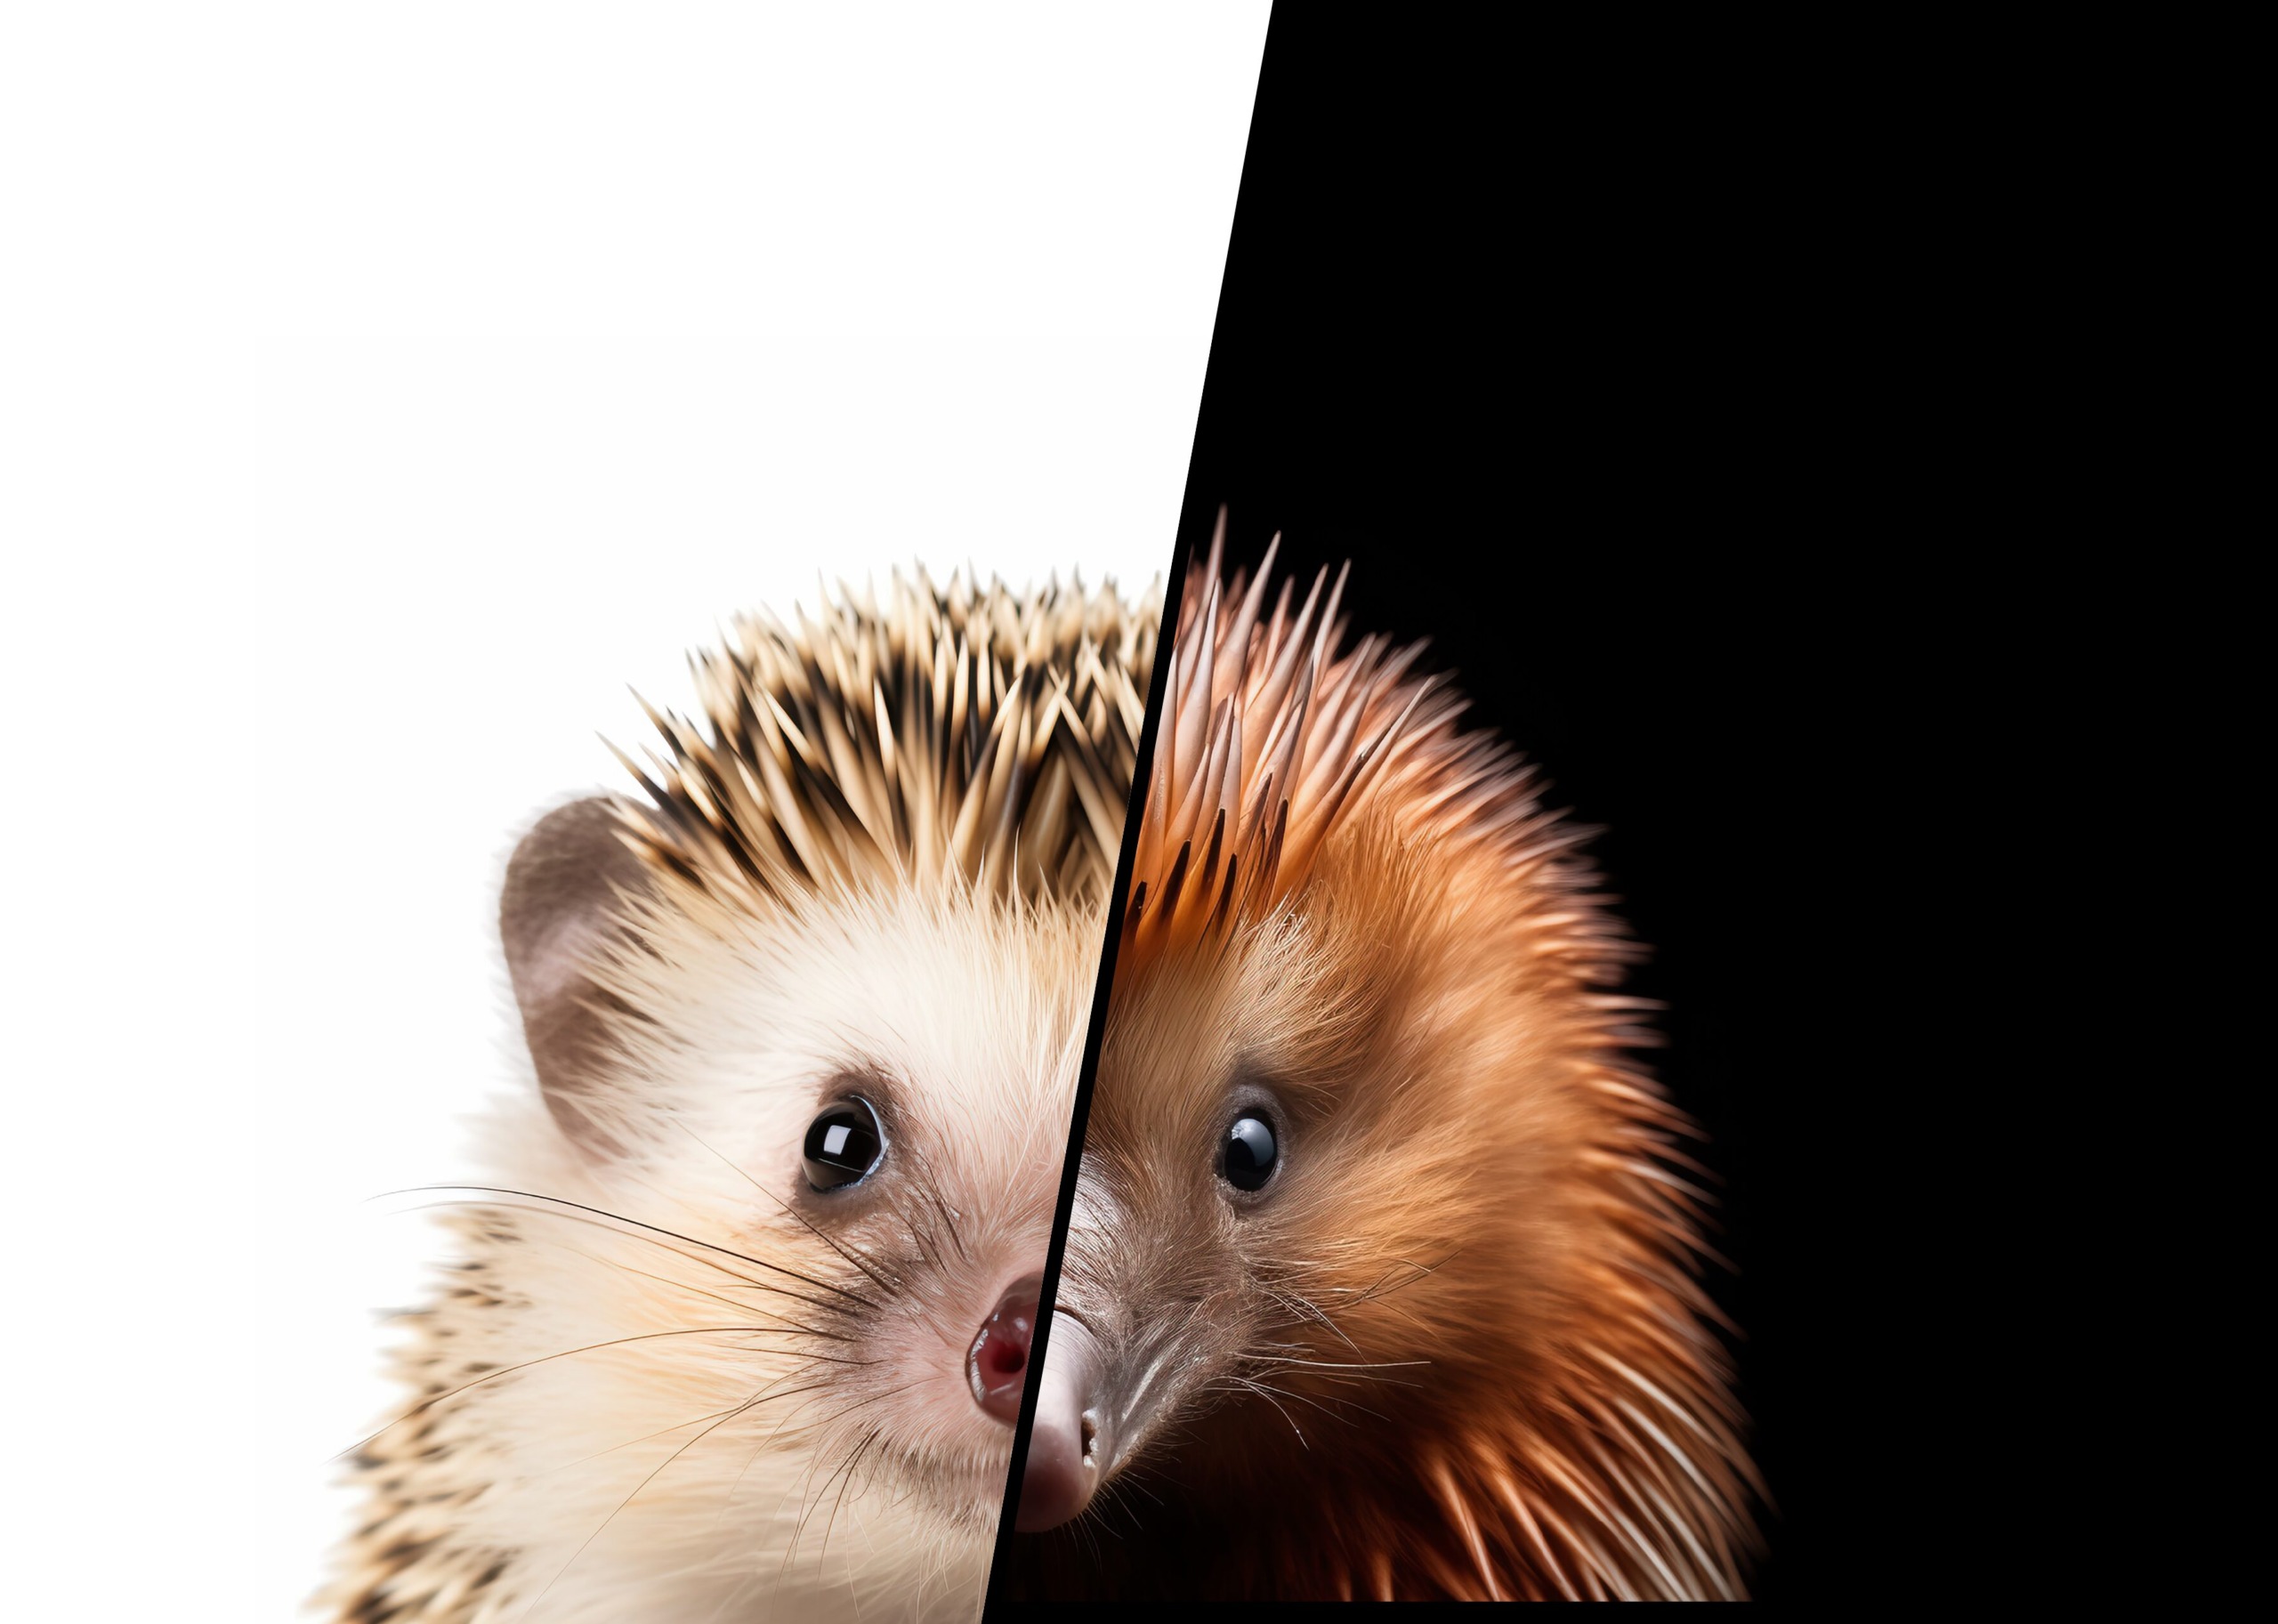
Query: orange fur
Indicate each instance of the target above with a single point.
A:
(1463, 1350)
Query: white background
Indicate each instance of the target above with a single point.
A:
(384, 389)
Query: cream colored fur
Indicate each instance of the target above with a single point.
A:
(663, 1379)
(626, 1482)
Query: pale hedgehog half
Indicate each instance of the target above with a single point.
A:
(1383, 1276)
(738, 1334)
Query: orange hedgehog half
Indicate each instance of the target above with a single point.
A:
(1383, 1278)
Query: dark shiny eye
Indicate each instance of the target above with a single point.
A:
(1249, 1153)
(844, 1142)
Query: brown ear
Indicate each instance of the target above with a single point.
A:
(558, 917)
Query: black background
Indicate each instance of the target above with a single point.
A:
(1546, 337)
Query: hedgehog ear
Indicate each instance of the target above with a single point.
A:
(558, 916)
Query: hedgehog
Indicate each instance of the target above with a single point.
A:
(1383, 1276)
(738, 1326)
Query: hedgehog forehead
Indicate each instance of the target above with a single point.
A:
(941, 992)
(963, 1012)
(1189, 1031)
(1349, 997)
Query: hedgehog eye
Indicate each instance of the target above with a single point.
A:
(1249, 1154)
(844, 1143)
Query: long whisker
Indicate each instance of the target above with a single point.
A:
(1266, 1394)
(1324, 1408)
(1327, 1364)
(571, 1218)
(665, 1280)
(756, 1262)
(676, 1251)
(1305, 1310)
(591, 1347)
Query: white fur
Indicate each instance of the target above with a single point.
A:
(973, 1009)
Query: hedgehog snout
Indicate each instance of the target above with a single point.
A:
(1069, 1447)
(998, 1364)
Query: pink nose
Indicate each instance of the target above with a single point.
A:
(998, 1364)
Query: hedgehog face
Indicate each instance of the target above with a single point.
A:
(1382, 1260)
(1304, 1152)
(813, 1182)
(895, 1075)
(739, 1319)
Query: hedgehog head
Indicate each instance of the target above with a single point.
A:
(806, 1022)
(1379, 1254)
